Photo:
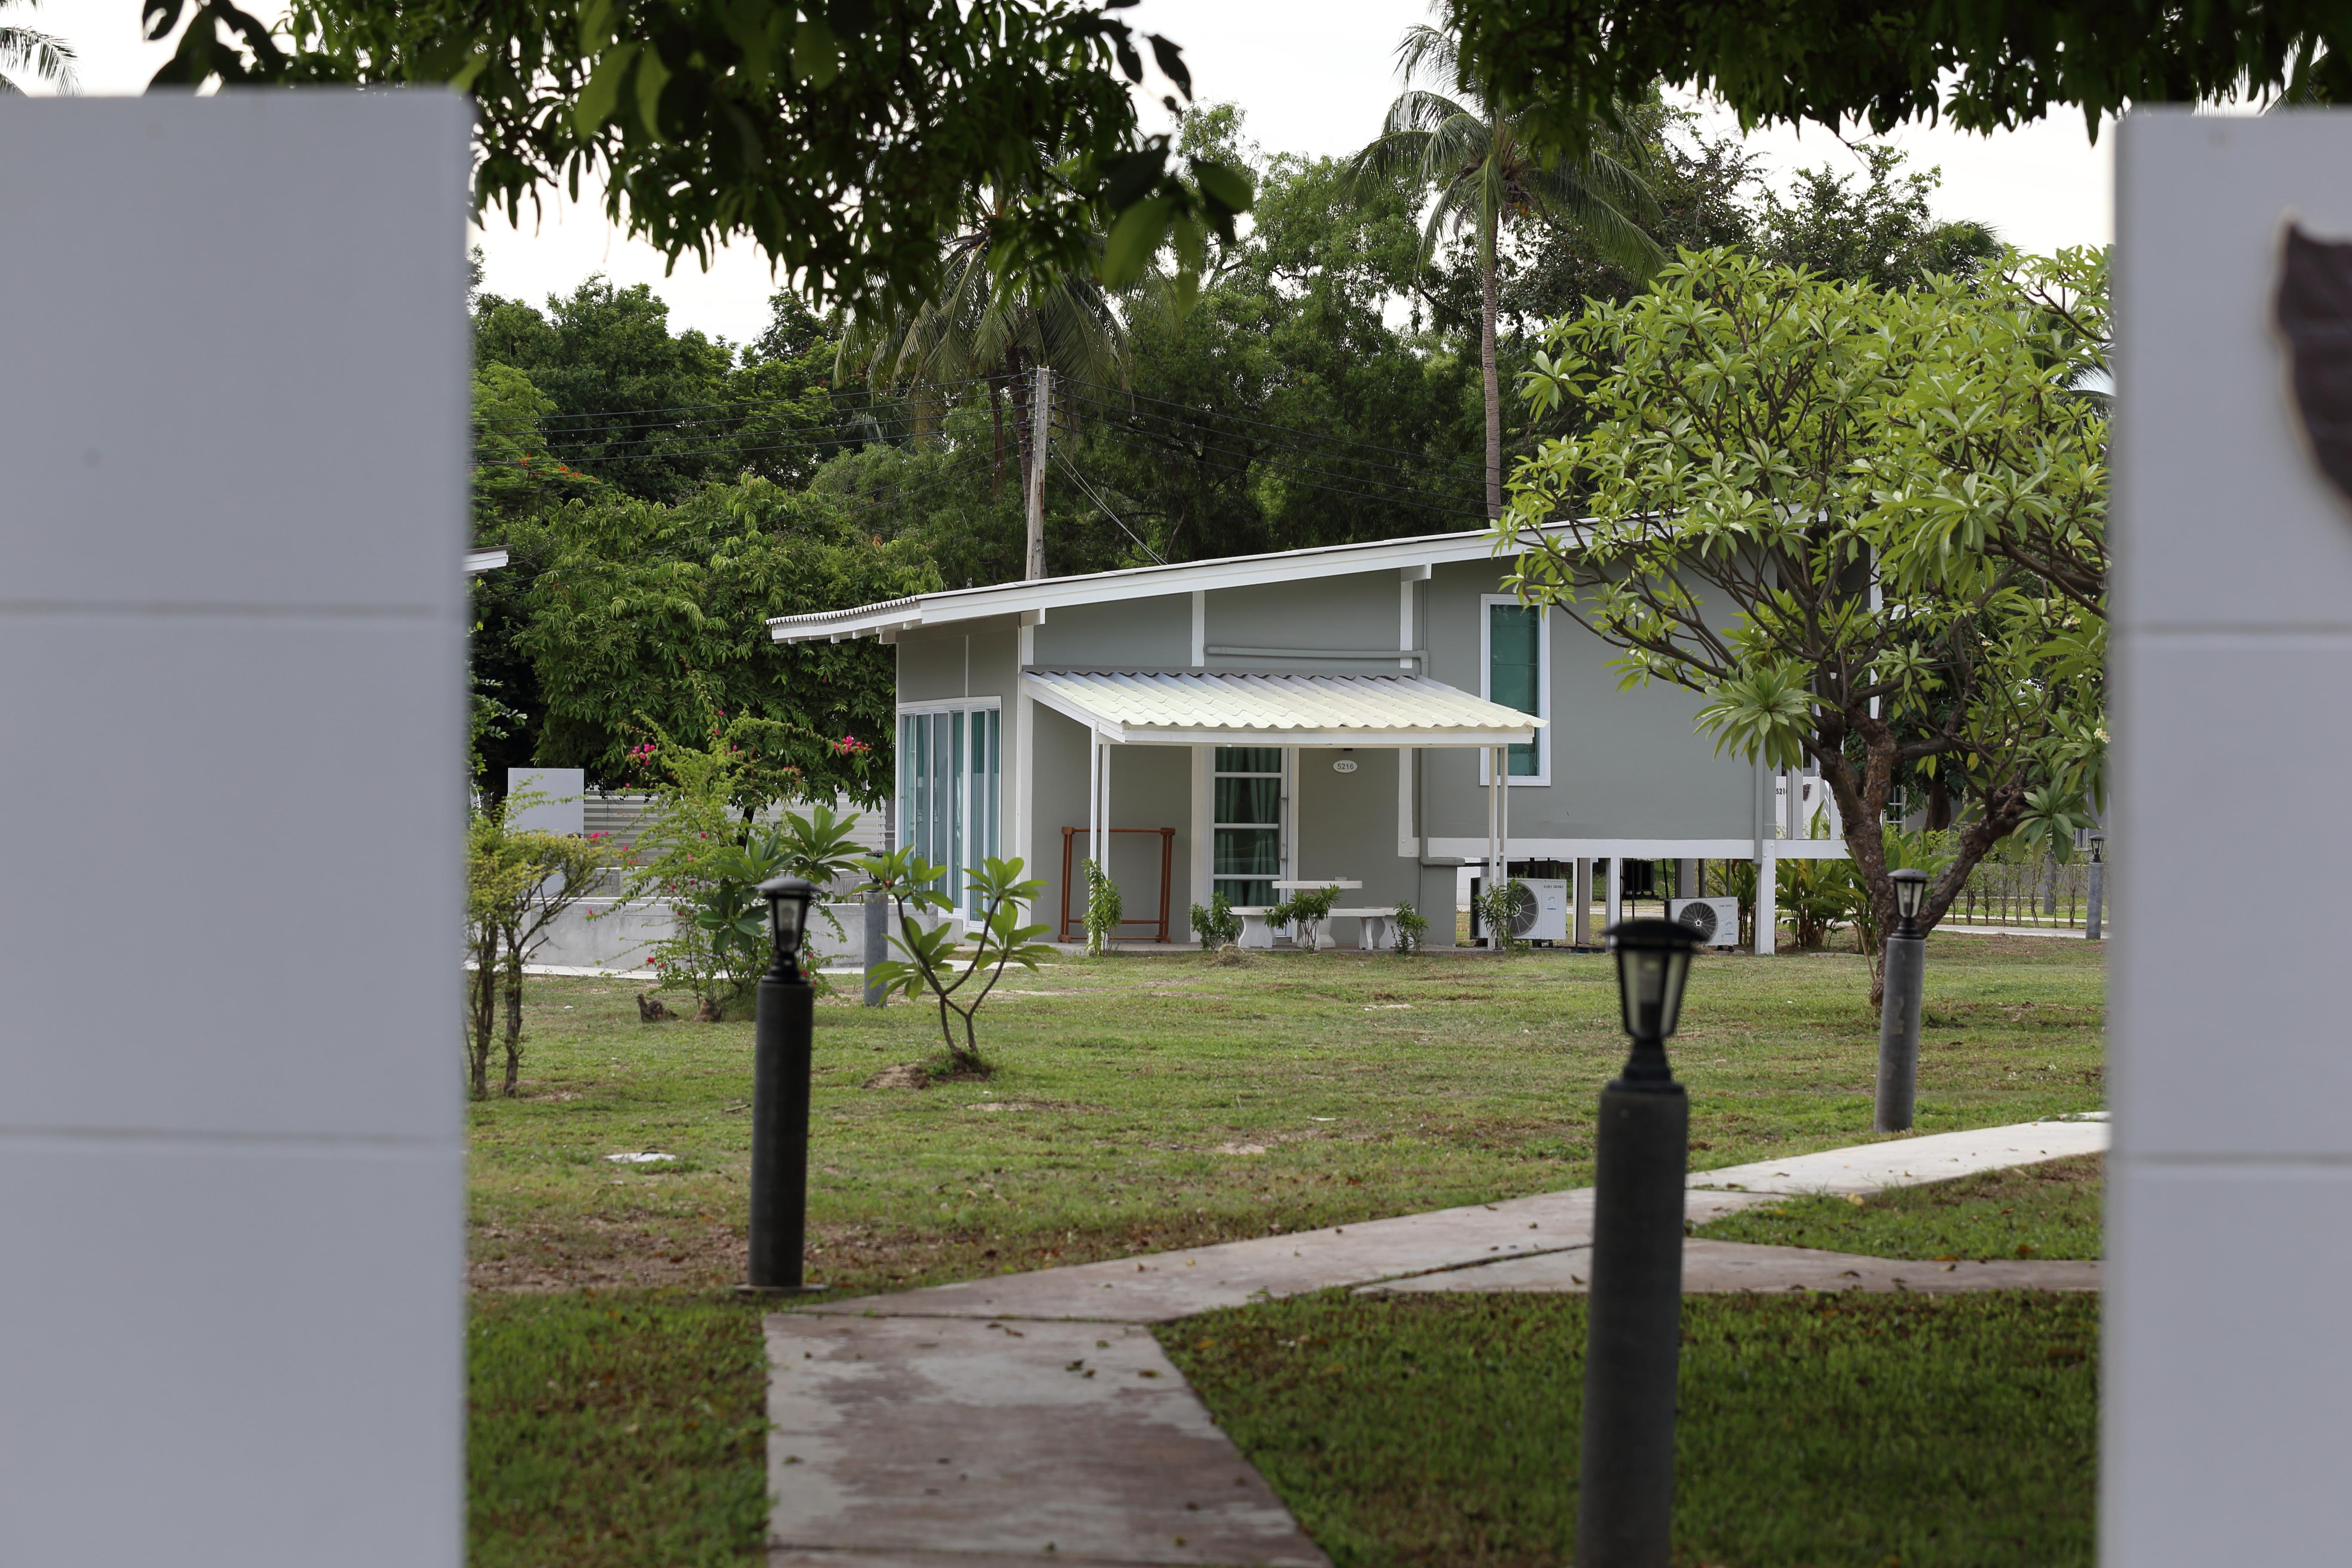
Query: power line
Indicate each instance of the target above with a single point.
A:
(1205, 434)
(1191, 411)
(1393, 496)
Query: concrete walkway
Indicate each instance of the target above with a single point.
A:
(1033, 1417)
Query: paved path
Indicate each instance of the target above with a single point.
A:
(1031, 1417)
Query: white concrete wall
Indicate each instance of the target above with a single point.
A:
(2228, 1427)
(232, 433)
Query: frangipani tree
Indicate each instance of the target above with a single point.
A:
(1488, 168)
(1784, 497)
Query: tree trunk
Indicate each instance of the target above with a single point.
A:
(482, 1015)
(1939, 804)
(1486, 368)
(514, 1017)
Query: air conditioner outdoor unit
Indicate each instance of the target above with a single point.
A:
(1717, 920)
(1540, 911)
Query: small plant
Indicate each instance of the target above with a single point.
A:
(1217, 926)
(1411, 927)
(1104, 910)
(1498, 905)
(517, 882)
(934, 952)
(1304, 912)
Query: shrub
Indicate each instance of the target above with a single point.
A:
(1411, 927)
(1305, 911)
(1496, 905)
(1217, 926)
(1104, 910)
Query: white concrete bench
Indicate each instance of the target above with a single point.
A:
(1376, 926)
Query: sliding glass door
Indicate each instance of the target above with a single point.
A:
(951, 764)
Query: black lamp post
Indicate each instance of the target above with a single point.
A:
(1898, 1013)
(1633, 1324)
(2096, 898)
(782, 1043)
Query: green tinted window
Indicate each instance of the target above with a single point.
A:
(1515, 670)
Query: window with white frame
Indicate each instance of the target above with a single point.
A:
(950, 767)
(1515, 670)
(1246, 824)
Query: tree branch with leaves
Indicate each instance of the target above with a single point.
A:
(1758, 509)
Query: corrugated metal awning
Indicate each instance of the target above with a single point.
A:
(1183, 709)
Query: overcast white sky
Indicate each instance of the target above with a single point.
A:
(1312, 76)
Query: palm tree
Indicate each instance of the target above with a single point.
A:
(981, 327)
(50, 59)
(1487, 169)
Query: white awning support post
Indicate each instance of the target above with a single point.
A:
(1094, 795)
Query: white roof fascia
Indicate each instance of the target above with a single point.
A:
(1137, 583)
(1421, 740)
(480, 560)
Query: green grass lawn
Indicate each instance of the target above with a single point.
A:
(1814, 1432)
(616, 1431)
(1139, 1103)
(1143, 1103)
(2036, 1210)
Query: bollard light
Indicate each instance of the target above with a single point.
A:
(1634, 1310)
(1653, 962)
(788, 906)
(1910, 894)
(783, 1042)
(1903, 959)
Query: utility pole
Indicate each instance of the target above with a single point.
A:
(1041, 423)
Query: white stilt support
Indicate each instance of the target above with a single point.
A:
(1581, 919)
(1768, 912)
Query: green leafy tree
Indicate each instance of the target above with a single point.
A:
(934, 950)
(643, 409)
(646, 620)
(1489, 165)
(1981, 65)
(1878, 232)
(1756, 438)
(985, 325)
(842, 136)
(27, 51)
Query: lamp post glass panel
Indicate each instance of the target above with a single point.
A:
(1634, 1322)
(783, 1041)
(1899, 1016)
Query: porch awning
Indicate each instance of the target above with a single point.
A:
(1205, 707)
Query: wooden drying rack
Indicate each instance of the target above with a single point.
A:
(1167, 866)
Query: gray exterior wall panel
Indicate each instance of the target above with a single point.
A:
(1132, 633)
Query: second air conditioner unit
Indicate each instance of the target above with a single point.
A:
(1714, 920)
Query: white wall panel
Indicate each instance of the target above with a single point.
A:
(2228, 1426)
(233, 443)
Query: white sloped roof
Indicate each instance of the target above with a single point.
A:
(1193, 709)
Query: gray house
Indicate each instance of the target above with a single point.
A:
(1373, 716)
